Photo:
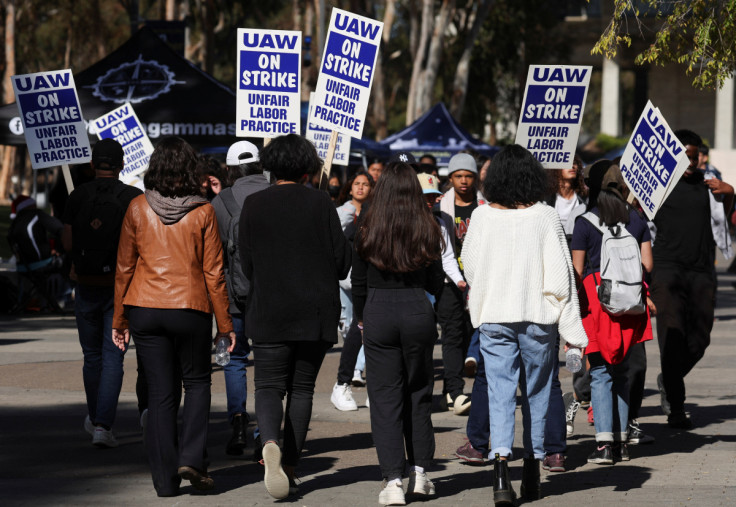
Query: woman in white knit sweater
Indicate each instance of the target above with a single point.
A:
(522, 294)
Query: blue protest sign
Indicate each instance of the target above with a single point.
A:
(653, 161)
(269, 80)
(52, 119)
(346, 74)
(122, 124)
(549, 124)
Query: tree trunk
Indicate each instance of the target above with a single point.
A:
(170, 10)
(416, 72)
(460, 84)
(307, 73)
(380, 122)
(425, 91)
(8, 94)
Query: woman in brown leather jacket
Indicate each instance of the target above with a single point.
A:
(168, 282)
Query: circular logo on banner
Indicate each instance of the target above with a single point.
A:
(16, 126)
(134, 82)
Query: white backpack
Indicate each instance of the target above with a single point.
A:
(620, 290)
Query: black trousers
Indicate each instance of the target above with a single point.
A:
(581, 383)
(174, 347)
(684, 300)
(349, 356)
(637, 373)
(286, 369)
(456, 333)
(399, 335)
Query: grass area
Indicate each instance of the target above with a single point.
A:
(4, 226)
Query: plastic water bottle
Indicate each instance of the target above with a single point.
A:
(222, 356)
(573, 360)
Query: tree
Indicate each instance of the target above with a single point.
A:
(700, 34)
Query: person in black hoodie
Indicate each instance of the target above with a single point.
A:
(293, 251)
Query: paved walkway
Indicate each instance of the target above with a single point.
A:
(46, 457)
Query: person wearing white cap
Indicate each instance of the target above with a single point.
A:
(242, 157)
(456, 206)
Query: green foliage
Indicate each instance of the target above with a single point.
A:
(607, 143)
(701, 34)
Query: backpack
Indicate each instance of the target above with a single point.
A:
(96, 229)
(621, 288)
(238, 284)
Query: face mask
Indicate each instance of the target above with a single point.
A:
(334, 190)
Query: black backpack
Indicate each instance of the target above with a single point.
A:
(96, 229)
(238, 284)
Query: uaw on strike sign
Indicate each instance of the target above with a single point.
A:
(653, 161)
(345, 77)
(52, 119)
(269, 77)
(549, 124)
(123, 125)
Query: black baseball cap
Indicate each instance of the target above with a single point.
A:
(403, 156)
(107, 152)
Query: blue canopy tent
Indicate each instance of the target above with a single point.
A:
(437, 133)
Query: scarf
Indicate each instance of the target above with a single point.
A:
(172, 209)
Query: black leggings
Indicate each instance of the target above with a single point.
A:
(286, 369)
(350, 351)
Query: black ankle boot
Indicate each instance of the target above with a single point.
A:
(530, 488)
(238, 441)
(503, 493)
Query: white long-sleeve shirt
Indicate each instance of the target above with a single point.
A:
(519, 270)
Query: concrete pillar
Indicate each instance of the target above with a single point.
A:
(723, 138)
(610, 98)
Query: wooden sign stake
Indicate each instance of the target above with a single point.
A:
(327, 167)
(67, 177)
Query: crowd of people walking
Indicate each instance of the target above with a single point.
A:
(513, 263)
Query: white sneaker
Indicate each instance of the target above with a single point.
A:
(103, 438)
(88, 426)
(392, 494)
(358, 379)
(277, 483)
(342, 398)
(461, 404)
(419, 484)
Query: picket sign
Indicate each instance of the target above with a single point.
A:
(268, 83)
(53, 124)
(552, 111)
(653, 161)
(343, 88)
(123, 125)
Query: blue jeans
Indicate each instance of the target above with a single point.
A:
(346, 314)
(505, 348)
(103, 361)
(236, 379)
(360, 363)
(555, 433)
(609, 387)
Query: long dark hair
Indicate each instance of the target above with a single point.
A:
(347, 187)
(398, 232)
(515, 178)
(173, 170)
(611, 208)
